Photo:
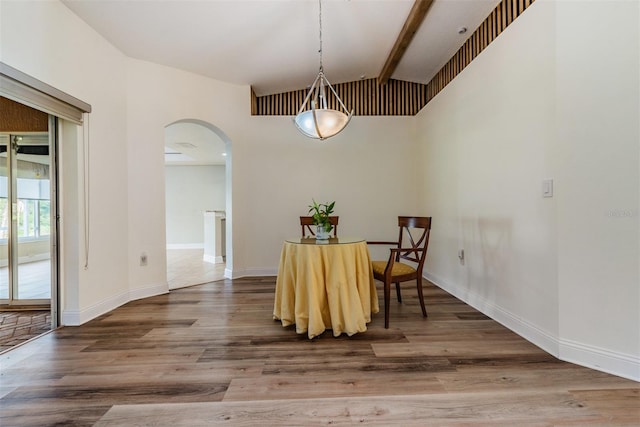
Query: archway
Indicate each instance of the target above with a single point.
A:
(198, 203)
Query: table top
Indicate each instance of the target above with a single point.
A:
(330, 241)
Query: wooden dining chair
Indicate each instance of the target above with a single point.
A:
(309, 229)
(416, 230)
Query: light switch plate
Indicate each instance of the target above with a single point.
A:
(547, 188)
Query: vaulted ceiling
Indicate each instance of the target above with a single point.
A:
(272, 45)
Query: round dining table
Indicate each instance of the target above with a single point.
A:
(325, 284)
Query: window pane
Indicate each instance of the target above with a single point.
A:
(45, 218)
(4, 218)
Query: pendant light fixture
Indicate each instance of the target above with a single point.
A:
(319, 121)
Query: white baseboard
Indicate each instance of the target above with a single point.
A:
(212, 259)
(250, 272)
(622, 365)
(148, 291)
(184, 285)
(78, 317)
(600, 359)
(185, 245)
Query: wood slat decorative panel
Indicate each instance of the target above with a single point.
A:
(16, 117)
(397, 97)
(503, 15)
(365, 97)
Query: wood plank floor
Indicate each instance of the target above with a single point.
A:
(212, 355)
(185, 267)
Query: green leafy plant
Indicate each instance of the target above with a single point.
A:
(320, 213)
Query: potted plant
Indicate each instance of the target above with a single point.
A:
(320, 214)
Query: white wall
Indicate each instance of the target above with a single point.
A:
(541, 102)
(62, 51)
(598, 147)
(368, 170)
(275, 170)
(190, 191)
(157, 97)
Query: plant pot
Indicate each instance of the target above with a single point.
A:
(321, 233)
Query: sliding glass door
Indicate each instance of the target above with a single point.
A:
(6, 292)
(27, 223)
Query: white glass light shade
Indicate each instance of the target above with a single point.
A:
(322, 123)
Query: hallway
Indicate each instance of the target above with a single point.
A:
(185, 267)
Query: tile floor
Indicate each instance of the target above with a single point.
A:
(17, 327)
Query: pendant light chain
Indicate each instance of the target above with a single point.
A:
(320, 26)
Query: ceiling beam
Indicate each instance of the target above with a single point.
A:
(409, 29)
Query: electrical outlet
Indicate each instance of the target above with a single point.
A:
(143, 259)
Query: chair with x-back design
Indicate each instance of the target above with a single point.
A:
(416, 230)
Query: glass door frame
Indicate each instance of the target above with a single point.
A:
(12, 241)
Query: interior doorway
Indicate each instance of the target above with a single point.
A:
(196, 203)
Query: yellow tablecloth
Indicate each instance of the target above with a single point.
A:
(326, 286)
